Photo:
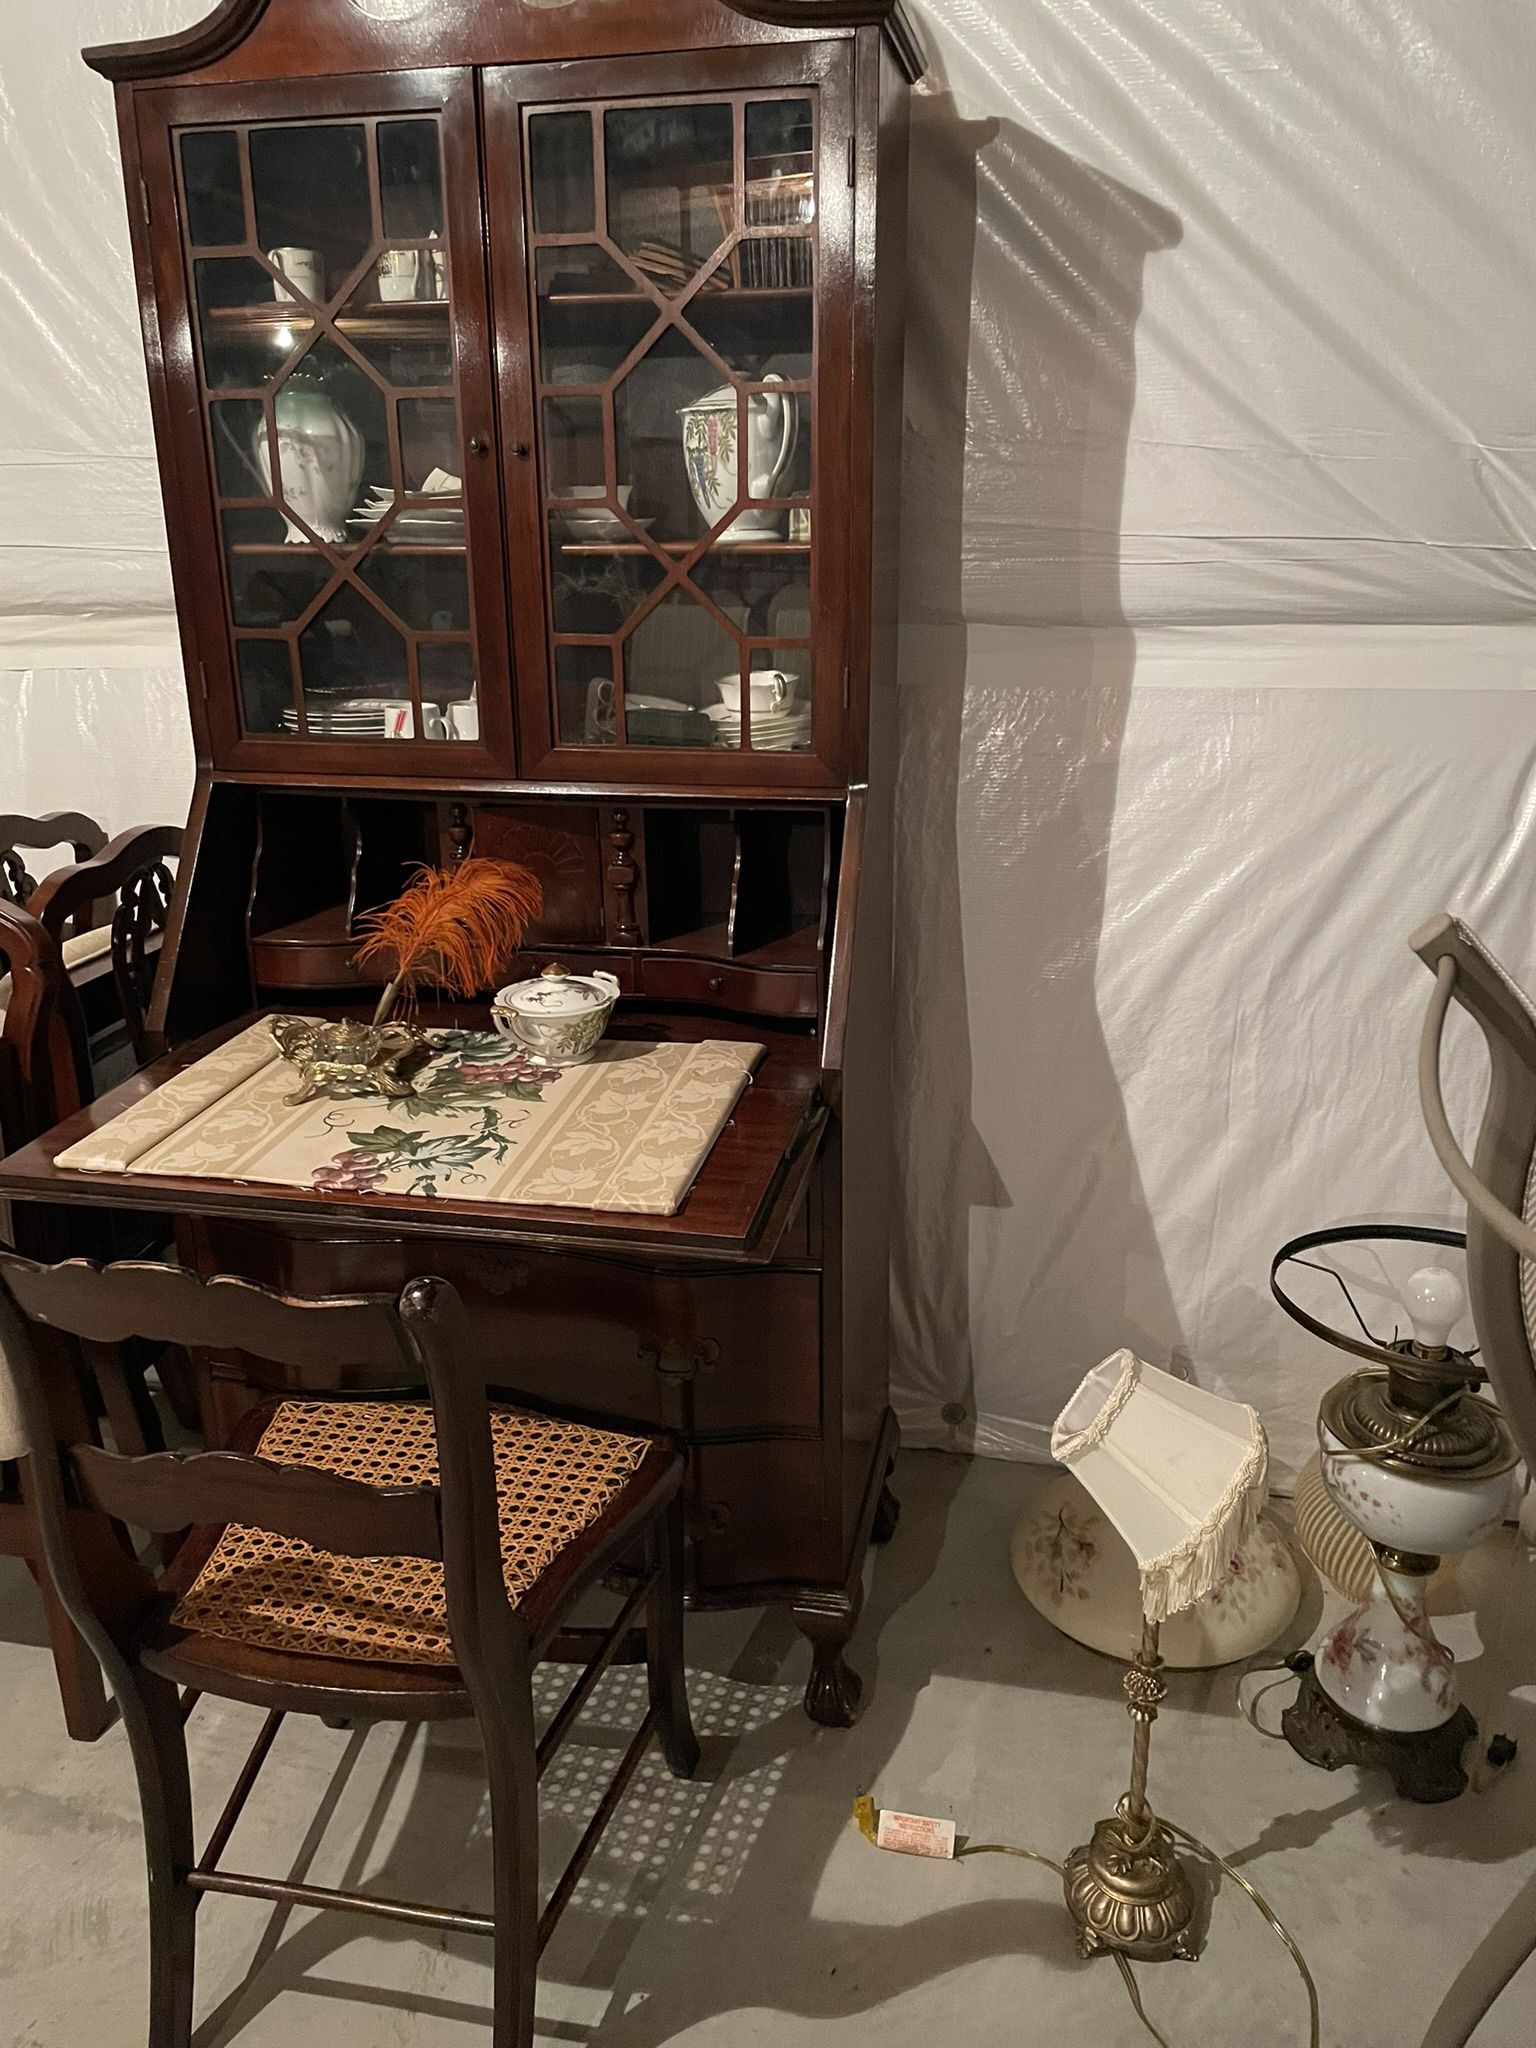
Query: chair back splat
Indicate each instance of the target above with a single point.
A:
(127, 887)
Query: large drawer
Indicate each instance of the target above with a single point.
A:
(705, 1353)
(757, 1517)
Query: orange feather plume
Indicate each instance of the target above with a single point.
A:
(457, 927)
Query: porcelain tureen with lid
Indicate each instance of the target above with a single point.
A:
(557, 1015)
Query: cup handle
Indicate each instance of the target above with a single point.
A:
(781, 686)
(789, 433)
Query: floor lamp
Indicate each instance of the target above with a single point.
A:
(1182, 1475)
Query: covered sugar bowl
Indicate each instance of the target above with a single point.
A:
(558, 1016)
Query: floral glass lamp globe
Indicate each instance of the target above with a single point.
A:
(1421, 1467)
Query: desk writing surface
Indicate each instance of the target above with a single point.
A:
(740, 1191)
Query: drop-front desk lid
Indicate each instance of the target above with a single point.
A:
(744, 1195)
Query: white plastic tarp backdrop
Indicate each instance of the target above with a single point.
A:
(1218, 654)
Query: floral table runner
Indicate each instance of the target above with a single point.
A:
(627, 1131)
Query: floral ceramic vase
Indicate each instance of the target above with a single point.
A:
(1384, 1663)
(1075, 1568)
(710, 451)
(319, 461)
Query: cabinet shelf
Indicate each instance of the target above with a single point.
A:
(386, 319)
(684, 547)
(736, 294)
(307, 547)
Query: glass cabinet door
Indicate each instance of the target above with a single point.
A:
(324, 296)
(674, 252)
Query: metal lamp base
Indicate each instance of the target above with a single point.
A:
(1424, 1767)
(1128, 1891)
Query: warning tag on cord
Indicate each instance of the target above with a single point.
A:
(915, 1834)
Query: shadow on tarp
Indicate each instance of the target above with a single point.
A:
(1015, 470)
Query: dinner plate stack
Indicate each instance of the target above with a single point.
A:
(423, 525)
(593, 528)
(345, 719)
(784, 731)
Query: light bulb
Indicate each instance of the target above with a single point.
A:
(283, 337)
(1436, 1301)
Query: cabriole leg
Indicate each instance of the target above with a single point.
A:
(827, 1622)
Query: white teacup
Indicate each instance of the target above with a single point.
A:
(399, 270)
(771, 689)
(304, 270)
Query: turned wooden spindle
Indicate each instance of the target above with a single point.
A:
(623, 878)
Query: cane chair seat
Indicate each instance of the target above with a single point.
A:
(555, 1481)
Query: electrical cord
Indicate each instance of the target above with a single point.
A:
(864, 1815)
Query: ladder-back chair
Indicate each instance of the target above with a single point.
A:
(390, 1558)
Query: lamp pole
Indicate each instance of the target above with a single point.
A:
(1127, 1890)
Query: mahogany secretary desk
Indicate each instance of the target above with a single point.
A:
(526, 378)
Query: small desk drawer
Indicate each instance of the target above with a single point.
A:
(784, 992)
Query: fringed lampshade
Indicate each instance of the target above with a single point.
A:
(1182, 1474)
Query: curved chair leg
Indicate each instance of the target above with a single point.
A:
(1503, 1953)
(151, 1714)
(665, 1665)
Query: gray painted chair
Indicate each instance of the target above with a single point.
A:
(1499, 1185)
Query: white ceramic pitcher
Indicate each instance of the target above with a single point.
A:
(319, 458)
(709, 451)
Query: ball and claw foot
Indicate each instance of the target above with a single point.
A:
(833, 1689)
(832, 1694)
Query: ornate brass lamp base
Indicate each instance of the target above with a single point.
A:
(1128, 1891)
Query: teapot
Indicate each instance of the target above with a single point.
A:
(709, 452)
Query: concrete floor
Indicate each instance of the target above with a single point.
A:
(744, 1908)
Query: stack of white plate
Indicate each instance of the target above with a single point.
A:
(421, 524)
(778, 732)
(343, 720)
(590, 528)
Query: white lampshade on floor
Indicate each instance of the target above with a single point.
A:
(1074, 1568)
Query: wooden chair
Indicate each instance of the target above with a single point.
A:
(47, 1052)
(429, 1599)
(120, 897)
(26, 1096)
(88, 941)
(81, 834)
